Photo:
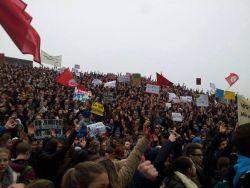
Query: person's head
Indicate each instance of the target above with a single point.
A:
(223, 144)
(23, 149)
(223, 163)
(5, 141)
(185, 166)
(127, 145)
(51, 145)
(87, 174)
(4, 159)
(194, 151)
(41, 183)
(241, 139)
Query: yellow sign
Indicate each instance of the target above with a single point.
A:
(97, 109)
(229, 95)
(136, 79)
(243, 110)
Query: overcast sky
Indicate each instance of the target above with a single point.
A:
(183, 39)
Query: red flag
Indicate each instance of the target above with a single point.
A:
(162, 81)
(198, 81)
(81, 87)
(66, 79)
(232, 78)
(16, 22)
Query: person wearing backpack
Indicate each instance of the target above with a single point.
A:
(21, 165)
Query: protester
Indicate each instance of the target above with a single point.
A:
(124, 153)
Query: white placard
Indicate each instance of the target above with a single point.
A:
(111, 84)
(96, 82)
(123, 79)
(154, 89)
(51, 60)
(202, 100)
(177, 117)
(186, 99)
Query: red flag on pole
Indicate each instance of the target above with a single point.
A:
(232, 78)
(162, 81)
(16, 22)
(66, 79)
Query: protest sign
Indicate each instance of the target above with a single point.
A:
(96, 129)
(229, 95)
(43, 128)
(108, 98)
(177, 117)
(96, 82)
(186, 99)
(123, 79)
(111, 84)
(202, 100)
(97, 109)
(136, 79)
(171, 96)
(168, 105)
(77, 66)
(154, 89)
(243, 110)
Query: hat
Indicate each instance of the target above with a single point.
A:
(196, 140)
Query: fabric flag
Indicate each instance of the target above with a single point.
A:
(111, 84)
(219, 93)
(136, 79)
(232, 78)
(1, 58)
(81, 88)
(162, 81)
(243, 110)
(202, 100)
(198, 81)
(213, 87)
(154, 89)
(229, 95)
(16, 22)
(66, 79)
(51, 60)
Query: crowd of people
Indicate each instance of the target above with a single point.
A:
(142, 146)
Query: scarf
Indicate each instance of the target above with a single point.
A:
(185, 180)
(242, 166)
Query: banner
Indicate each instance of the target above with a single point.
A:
(136, 79)
(97, 82)
(51, 60)
(96, 129)
(123, 79)
(97, 109)
(43, 128)
(186, 99)
(243, 110)
(111, 84)
(81, 95)
(229, 95)
(177, 117)
(202, 100)
(154, 89)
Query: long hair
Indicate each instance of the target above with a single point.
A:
(82, 175)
